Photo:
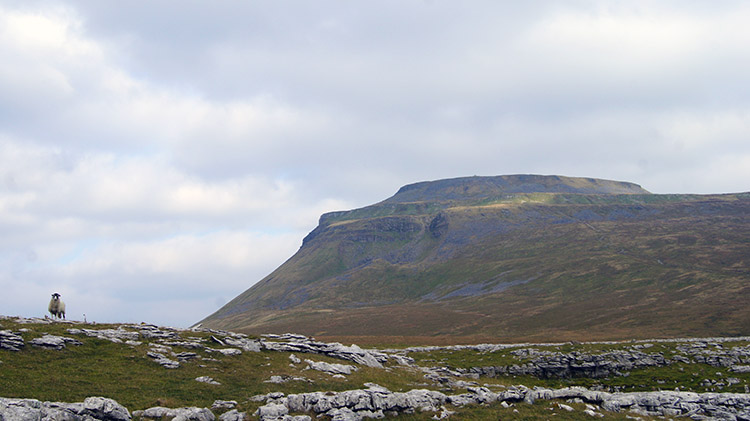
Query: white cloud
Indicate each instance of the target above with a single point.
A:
(140, 161)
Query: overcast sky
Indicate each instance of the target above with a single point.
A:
(157, 158)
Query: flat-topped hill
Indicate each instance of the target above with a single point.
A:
(510, 258)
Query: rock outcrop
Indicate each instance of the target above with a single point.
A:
(10, 341)
(302, 344)
(91, 409)
(176, 414)
(54, 342)
(331, 368)
(547, 364)
(376, 402)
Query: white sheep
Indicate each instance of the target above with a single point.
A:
(56, 306)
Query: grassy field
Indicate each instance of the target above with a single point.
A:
(125, 373)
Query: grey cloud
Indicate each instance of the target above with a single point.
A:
(159, 120)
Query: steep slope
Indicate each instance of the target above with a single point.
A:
(513, 257)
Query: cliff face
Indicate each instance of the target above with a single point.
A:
(513, 257)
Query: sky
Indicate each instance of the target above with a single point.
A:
(157, 158)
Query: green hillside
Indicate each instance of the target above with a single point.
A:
(512, 258)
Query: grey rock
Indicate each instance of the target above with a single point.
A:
(336, 350)
(186, 356)
(178, 414)
(343, 414)
(248, 345)
(54, 342)
(105, 409)
(185, 344)
(377, 400)
(20, 409)
(219, 404)
(207, 380)
(271, 411)
(91, 409)
(148, 331)
(218, 340)
(276, 380)
(226, 351)
(233, 415)
(10, 341)
(163, 360)
(118, 335)
(331, 368)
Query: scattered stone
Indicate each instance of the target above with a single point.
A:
(353, 353)
(176, 414)
(150, 331)
(219, 404)
(207, 380)
(226, 351)
(233, 415)
(272, 411)
(10, 341)
(330, 368)
(185, 344)
(283, 379)
(163, 360)
(118, 335)
(294, 359)
(565, 407)
(247, 345)
(54, 342)
(186, 356)
(444, 413)
(105, 409)
(592, 413)
(31, 320)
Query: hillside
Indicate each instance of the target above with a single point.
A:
(513, 258)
